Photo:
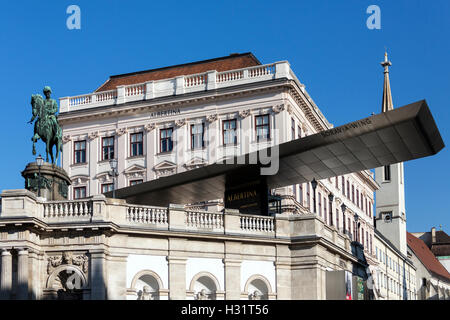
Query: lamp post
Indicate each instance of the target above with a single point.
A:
(330, 199)
(114, 174)
(314, 186)
(39, 162)
(356, 217)
(343, 208)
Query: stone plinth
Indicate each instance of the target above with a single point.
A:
(53, 181)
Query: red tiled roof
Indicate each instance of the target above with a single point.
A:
(426, 256)
(231, 62)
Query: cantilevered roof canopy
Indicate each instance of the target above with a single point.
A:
(397, 135)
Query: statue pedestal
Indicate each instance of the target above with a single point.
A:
(53, 181)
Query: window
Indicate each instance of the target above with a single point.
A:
(353, 193)
(229, 132)
(348, 189)
(337, 218)
(80, 151)
(337, 183)
(294, 191)
(135, 182)
(79, 192)
(262, 127)
(108, 148)
(376, 252)
(197, 136)
(357, 198)
(325, 209)
(343, 186)
(320, 204)
(107, 187)
(308, 198)
(387, 173)
(299, 132)
(293, 128)
(300, 197)
(370, 245)
(165, 140)
(362, 236)
(136, 144)
(365, 208)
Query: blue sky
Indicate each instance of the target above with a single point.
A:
(326, 42)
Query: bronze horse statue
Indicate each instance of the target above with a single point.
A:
(46, 126)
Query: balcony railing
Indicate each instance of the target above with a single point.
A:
(179, 85)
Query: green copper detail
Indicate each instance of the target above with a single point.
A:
(46, 126)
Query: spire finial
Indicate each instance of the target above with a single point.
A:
(387, 103)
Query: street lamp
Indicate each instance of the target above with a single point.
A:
(330, 199)
(343, 208)
(314, 186)
(114, 174)
(39, 162)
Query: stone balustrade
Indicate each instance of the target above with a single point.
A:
(22, 206)
(178, 85)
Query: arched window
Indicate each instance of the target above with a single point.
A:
(258, 288)
(147, 285)
(205, 286)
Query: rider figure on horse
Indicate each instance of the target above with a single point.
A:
(50, 107)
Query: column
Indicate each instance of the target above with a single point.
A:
(22, 274)
(6, 275)
(97, 275)
(232, 279)
(177, 278)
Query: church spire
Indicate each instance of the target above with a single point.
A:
(387, 103)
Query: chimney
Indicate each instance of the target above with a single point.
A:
(433, 235)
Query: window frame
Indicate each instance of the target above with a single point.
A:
(75, 151)
(113, 148)
(166, 138)
(262, 125)
(203, 136)
(106, 184)
(235, 132)
(135, 180)
(134, 143)
(79, 188)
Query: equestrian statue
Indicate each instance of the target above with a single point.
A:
(46, 126)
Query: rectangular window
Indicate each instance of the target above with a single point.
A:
(229, 132)
(108, 148)
(308, 198)
(293, 128)
(106, 187)
(387, 173)
(376, 252)
(165, 140)
(80, 151)
(300, 197)
(79, 192)
(197, 136)
(357, 198)
(325, 209)
(343, 185)
(362, 236)
(294, 191)
(337, 183)
(136, 144)
(320, 204)
(262, 126)
(337, 218)
(135, 182)
(353, 193)
(348, 189)
(299, 132)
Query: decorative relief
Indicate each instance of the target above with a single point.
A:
(289, 109)
(180, 122)
(244, 113)
(66, 138)
(93, 135)
(121, 131)
(149, 127)
(211, 118)
(278, 108)
(67, 258)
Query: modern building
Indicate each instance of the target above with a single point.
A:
(432, 279)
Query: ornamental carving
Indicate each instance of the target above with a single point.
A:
(278, 108)
(180, 122)
(211, 117)
(121, 131)
(289, 109)
(67, 258)
(66, 138)
(149, 127)
(244, 113)
(93, 135)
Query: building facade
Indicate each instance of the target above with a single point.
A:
(166, 121)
